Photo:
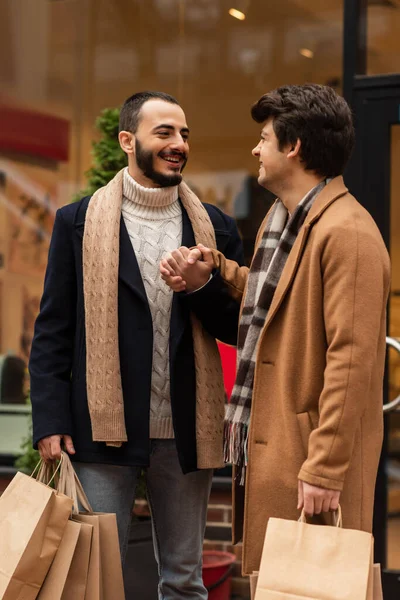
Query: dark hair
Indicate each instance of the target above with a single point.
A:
(130, 111)
(316, 115)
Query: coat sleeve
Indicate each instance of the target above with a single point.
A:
(214, 305)
(233, 274)
(355, 273)
(52, 347)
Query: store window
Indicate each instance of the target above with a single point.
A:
(64, 61)
(383, 41)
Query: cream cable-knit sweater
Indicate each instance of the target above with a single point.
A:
(153, 218)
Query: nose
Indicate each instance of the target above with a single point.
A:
(256, 150)
(180, 145)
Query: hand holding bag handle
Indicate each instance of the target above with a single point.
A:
(65, 480)
(375, 585)
(70, 485)
(47, 473)
(337, 515)
(307, 560)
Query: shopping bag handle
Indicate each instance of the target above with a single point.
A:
(47, 472)
(337, 516)
(70, 485)
(65, 479)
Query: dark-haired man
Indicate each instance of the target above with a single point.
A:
(123, 373)
(304, 426)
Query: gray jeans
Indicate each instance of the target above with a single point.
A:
(178, 505)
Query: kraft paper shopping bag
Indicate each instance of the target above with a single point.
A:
(253, 584)
(94, 587)
(105, 579)
(75, 581)
(33, 518)
(377, 585)
(75, 586)
(111, 569)
(306, 561)
(54, 584)
(376, 592)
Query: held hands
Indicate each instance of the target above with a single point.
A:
(315, 499)
(50, 447)
(187, 270)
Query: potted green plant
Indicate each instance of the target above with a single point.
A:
(108, 157)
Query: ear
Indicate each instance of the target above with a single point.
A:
(127, 142)
(294, 149)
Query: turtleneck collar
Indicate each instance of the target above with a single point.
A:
(149, 197)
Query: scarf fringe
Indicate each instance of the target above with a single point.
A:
(235, 447)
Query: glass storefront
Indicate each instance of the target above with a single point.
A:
(69, 59)
(383, 41)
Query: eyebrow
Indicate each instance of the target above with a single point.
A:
(171, 128)
(264, 133)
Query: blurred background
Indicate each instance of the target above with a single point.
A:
(62, 62)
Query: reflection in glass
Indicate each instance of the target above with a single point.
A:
(383, 41)
(70, 60)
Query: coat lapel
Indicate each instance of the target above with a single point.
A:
(334, 190)
(179, 313)
(187, 230)
(129, 271)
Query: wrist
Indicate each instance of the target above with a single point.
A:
(195, 288)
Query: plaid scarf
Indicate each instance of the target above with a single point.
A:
(266, 269)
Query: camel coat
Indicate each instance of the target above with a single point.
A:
(317, 401)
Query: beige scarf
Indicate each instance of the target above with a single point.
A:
(100, 279)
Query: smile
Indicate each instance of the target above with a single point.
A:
(173, 159)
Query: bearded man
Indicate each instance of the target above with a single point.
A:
(123, 373)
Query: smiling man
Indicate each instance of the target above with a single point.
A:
(122, 372)
(305, 423)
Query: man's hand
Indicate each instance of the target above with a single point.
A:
(315, 499)
(175, 282)
(50, 447)
(185, 269)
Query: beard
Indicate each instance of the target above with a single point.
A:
(145, 162)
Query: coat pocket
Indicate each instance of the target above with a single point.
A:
(305, 427)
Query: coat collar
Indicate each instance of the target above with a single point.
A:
(332, 192)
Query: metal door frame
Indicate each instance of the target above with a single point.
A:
(375, 101)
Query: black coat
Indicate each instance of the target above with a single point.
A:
(58, 357)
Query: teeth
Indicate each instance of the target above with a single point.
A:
(172, 160)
